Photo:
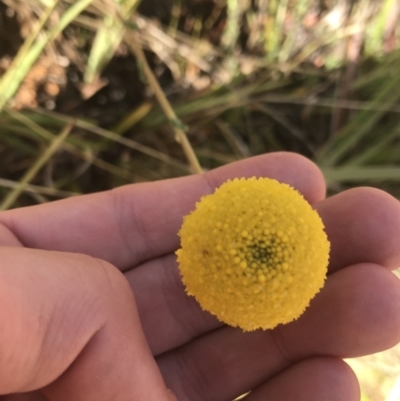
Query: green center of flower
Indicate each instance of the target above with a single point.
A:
(260, 252)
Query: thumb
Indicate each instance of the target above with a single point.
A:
(70, 327)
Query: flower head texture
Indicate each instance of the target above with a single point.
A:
(254, 253)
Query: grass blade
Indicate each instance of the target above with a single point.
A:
(133, 118)
(37, 189)
(34, 48)
(360, 125)
(365, 174)
(31, 173)
(232, 30)
(107, 39)
(112, 136)
(73, 149)
(375, 149)
(176, 124)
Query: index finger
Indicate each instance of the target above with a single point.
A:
(139, 222)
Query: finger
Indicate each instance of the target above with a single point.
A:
(69, 325)
(355, 314)
(7, 238)
(316, 379)
(363, 225)
(139, 222)
(169, 317)
(364, 320)
(32, 396)
(38, 396)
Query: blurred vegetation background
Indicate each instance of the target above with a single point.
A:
(99, 93)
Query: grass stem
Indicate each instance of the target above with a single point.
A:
(55, 145)
(176, 124)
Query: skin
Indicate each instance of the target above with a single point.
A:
(92, 307)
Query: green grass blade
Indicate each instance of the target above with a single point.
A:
(20, 66)
(213, 100)
(107, 40)
(279, 28)
(375, 149)
(388, 67)
(376, 31)
(12, 81)
(360, 125)
(73, 149)
(112, 136)
(364, 174)
(37, 189)
(15, 142)
(232, 30)
(133, 118)
(31, 173)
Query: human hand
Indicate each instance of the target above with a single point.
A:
(71, 329)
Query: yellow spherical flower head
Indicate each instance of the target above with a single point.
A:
(254, 253)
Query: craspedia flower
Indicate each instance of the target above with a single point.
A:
(254, 253)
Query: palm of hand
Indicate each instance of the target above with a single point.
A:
(134, 228)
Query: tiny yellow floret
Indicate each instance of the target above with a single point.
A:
(254, 253)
